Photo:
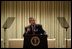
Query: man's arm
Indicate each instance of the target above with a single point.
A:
(41, 29)
(25, 31)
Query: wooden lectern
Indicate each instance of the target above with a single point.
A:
(35, 41)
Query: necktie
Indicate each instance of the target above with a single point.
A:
(33, 29)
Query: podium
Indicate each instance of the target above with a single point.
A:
(35, 41)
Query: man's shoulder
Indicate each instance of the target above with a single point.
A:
(27, 26)
(38, 24)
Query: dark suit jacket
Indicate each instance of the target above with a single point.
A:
(38, 29)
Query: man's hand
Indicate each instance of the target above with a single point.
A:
(28, 29)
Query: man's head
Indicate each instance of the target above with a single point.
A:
(31, 20)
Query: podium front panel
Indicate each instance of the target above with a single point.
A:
(35, 41)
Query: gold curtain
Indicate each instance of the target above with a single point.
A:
(45, 13)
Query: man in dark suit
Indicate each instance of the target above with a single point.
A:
(34, 28)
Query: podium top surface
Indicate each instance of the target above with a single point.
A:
(8, 22)
(34, 35)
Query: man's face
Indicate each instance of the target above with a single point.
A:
(31, 21)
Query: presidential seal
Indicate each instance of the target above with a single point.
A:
(35, 41)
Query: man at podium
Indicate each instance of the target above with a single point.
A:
(34, 28)
(34, 36)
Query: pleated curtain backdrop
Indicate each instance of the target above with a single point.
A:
(45, 13)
